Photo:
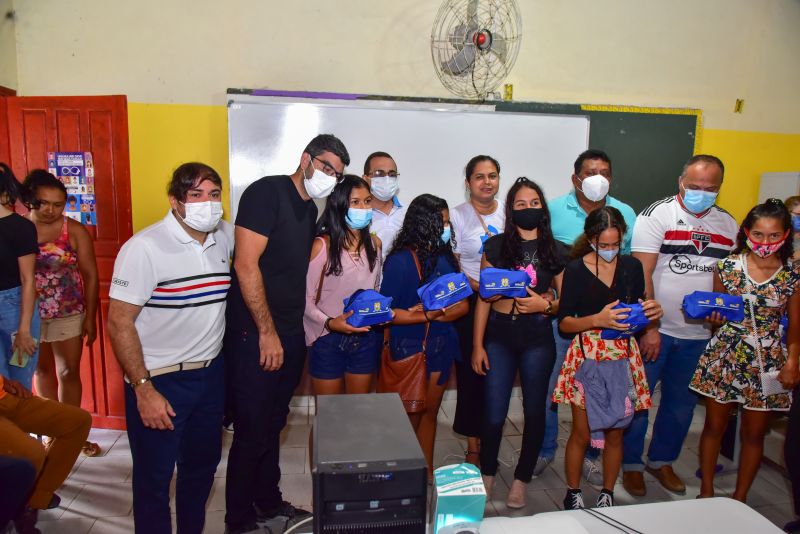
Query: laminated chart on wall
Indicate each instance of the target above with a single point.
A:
(76, 172)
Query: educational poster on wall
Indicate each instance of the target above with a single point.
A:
(76, 172)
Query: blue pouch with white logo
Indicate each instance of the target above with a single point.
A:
(701, 304)
(444, 291)
(504, 282)
(636, 320)
(369, 308)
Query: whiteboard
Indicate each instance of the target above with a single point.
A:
(430, 142)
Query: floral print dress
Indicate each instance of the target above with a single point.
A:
(567, 391)
(728, 369)
(58, 280)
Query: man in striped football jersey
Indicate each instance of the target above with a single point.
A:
(679, 240)
(166, 320)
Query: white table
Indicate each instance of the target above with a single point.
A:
(702, 516)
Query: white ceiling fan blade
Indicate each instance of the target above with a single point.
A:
(461, 62)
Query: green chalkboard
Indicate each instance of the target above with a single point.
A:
(647, 149)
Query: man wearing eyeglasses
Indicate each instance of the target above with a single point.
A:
(265, 343)
(380, 171)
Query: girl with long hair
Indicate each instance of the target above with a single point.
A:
(424, 241)
(516, 335)
(476, 220)
(345, 257)
(19, 319)
(597, 280)
(67, 286)
(730, 370)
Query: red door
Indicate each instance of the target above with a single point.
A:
(30, 127)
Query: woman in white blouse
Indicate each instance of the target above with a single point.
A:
(473, 222)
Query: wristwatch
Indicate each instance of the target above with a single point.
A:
(144, 380)
(549, 308)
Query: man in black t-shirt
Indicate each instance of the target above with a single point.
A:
(265, 344)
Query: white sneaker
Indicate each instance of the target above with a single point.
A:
(541, 464)
(592, 473)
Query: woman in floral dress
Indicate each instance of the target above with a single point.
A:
(729, 371)
(596, 281)
(67, 287)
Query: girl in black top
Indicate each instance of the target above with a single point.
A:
(596, 281)
(18, 314)
(513, 335)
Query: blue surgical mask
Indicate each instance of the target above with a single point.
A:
(358, 218)
(796, 223)
(698, 201)
(607, 255)
(446, 234)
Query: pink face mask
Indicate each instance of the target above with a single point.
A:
(764, 250)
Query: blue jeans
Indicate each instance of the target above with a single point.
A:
(550, 442)
(198, 398)
(674, 367)
(10, 303)
(524, 344)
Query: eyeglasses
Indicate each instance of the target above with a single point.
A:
(381, 174)
(328, 169)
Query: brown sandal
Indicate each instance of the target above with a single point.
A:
(91, 449)
(473, 457)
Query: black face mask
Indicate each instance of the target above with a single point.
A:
(528, 218)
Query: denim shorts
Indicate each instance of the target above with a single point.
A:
(440, 352)
(10, 304)
(334, 354)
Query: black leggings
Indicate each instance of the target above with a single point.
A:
(469, 384)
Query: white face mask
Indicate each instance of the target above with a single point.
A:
(202, 216)
(320, 184)
(594, 188)
(384, 187)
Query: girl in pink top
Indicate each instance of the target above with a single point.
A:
(345, 257)
(67, 287)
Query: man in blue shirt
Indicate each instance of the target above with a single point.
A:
(590, 182)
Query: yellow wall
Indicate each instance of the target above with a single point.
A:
(162, 136)
(746, 155)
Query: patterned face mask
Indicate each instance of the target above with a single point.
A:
(765, 250)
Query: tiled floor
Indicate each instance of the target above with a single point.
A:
(97, 496)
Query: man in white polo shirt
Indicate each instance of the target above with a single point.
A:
(166, 320)
(678, 239)
(380, 171)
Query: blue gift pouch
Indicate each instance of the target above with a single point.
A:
(636, 320)
(444, 291)
(700, 304)
(504, 282)
(369, 308)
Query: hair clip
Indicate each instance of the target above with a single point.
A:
(774, 201)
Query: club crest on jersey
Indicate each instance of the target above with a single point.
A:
(700, 240)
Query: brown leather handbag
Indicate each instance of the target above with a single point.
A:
(408, 376)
